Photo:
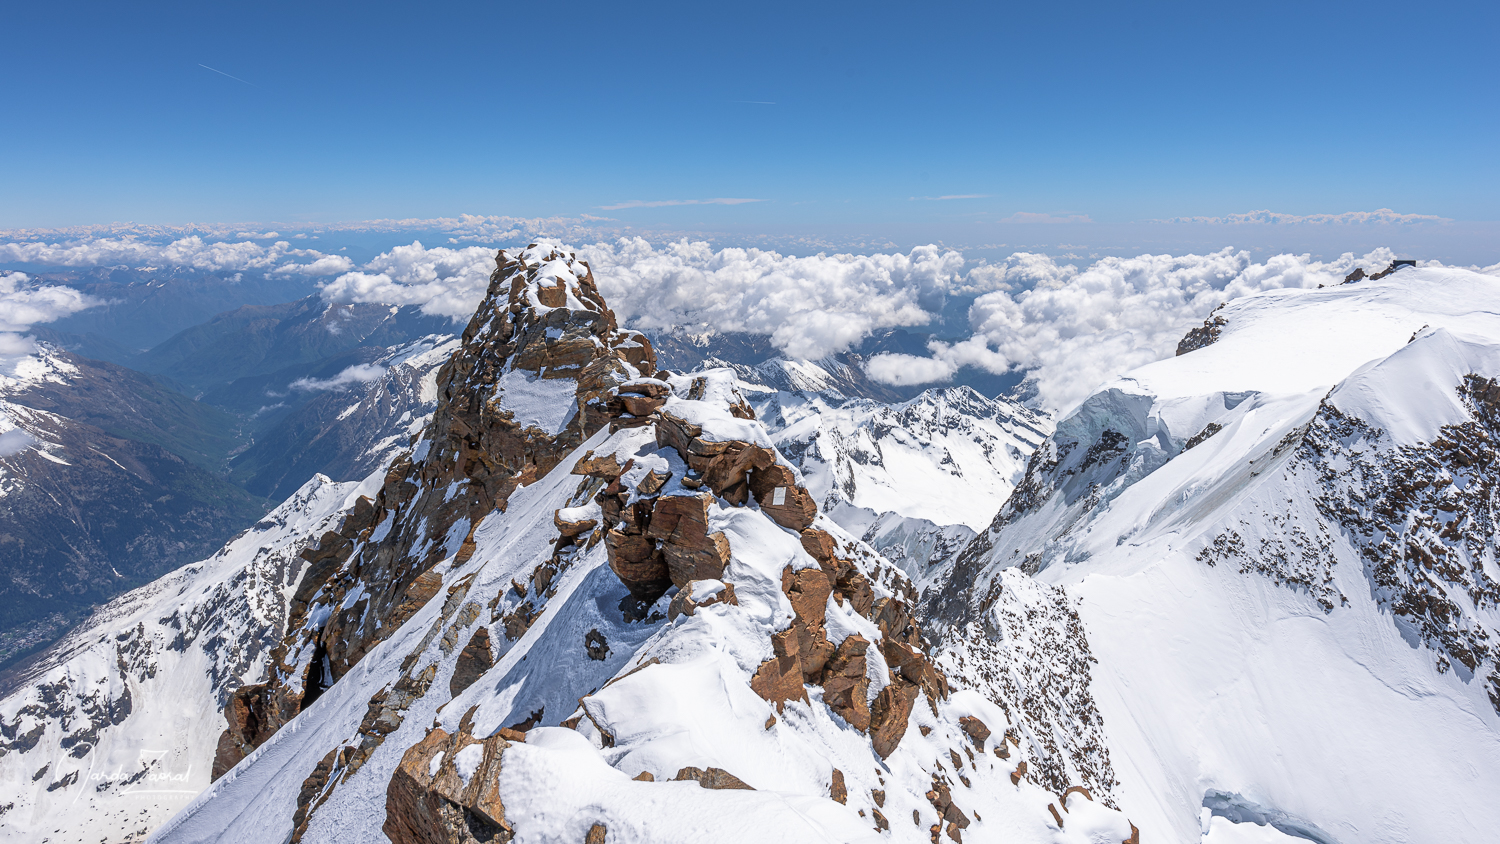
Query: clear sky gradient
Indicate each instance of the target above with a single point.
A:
(903, 117)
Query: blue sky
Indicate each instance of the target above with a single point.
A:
(835, 116)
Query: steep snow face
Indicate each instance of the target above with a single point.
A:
(914, 479)
(1281, 549)
(114, 729)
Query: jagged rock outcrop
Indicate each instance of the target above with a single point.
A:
(446, 791)
(658, 536)
(536, 366)
(1359, 273)
(1204, 335)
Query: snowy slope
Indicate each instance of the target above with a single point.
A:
(113, 731)
(915, 479)
(1280, 548)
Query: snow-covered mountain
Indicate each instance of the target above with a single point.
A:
(1276, 557)
(591, 604)
(105, 484)
(1243, 595)
(834, 377)
(116, 728)
(915, 479)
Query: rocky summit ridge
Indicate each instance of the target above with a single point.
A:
(594, 602)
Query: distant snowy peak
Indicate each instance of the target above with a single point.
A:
(840, 376)
(350, 431)
(949, 455)
(914, 479)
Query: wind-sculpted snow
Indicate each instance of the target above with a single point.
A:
(114, 729)
(1280, 548)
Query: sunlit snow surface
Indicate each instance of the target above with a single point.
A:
(1285, 682)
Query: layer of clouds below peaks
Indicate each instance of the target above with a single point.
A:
(193, 252)
(1070, 329)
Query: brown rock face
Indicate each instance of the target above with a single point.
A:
(639, 565)
(711, 778)
(846, 686)
(571, 529)
(942, 800)
(423, 808)
(244, 711)
(475, 659)
(841, 672)
(976, 730)
(683, 603)
(691, 552)
(542, 319)
(779, 679)
(837, 790)
(889, 714)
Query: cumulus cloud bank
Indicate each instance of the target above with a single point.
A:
(441, 281)
(1072, 330)
(193, 252)
(1069, 329)
(809, 307)
(360, 373)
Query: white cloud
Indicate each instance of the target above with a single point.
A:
(326, 265)
(1276, 218)
(24, 304)
(809, 306)
(192, 251)
(442, 281)
(14, 441)
(1074, 330)
(662, 203)
(360, 373)
(909, 370)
